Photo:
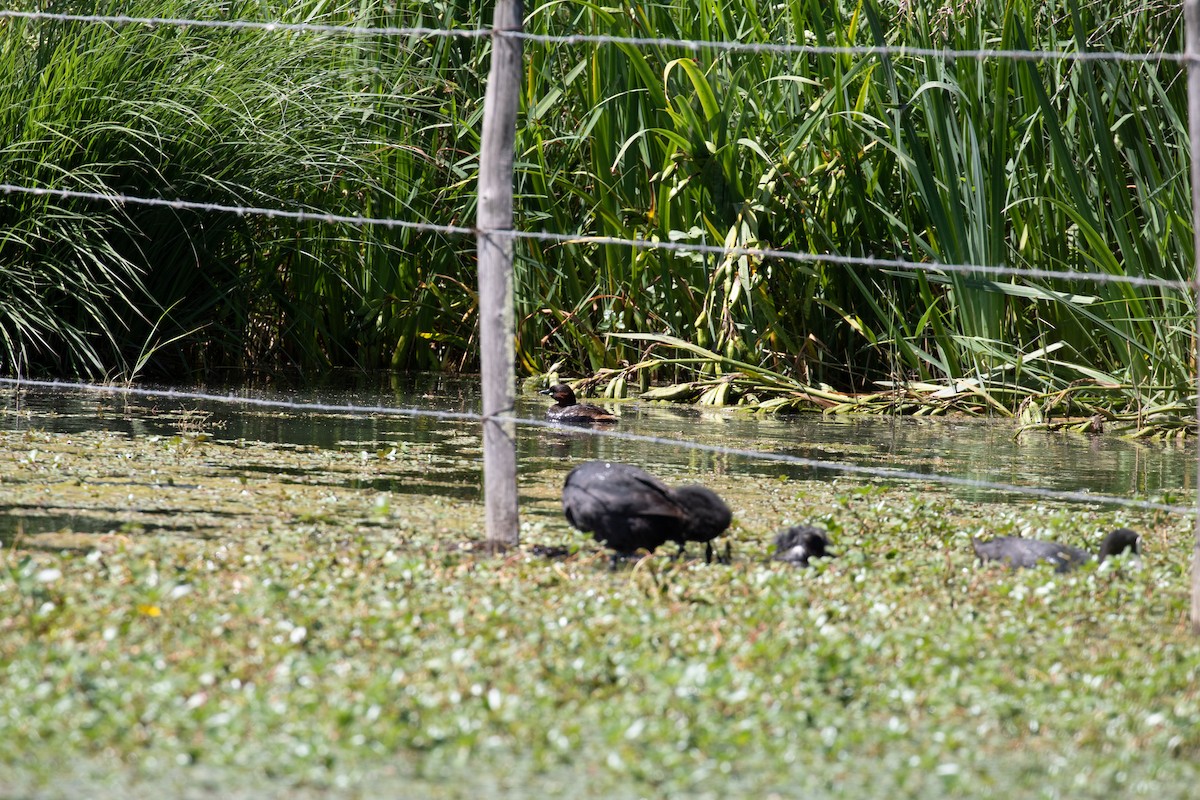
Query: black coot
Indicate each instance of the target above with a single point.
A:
(797, 544)
(628, 509)
(1018, 552)
(567, 409)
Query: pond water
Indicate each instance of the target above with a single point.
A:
(980, 450)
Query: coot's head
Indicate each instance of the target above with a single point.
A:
(1119, 541)
(563, 395)
(799, 543)
(707, 514)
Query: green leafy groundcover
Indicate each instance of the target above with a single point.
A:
(186, 616)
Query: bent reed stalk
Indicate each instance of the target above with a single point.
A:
(1053, 165)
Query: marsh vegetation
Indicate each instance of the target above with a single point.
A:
(185, 606)
(1053, 165)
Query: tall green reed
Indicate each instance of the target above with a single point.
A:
(229, 117)
(1053, 165)
(1050, 164)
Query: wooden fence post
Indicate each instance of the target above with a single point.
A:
(497, 326)
(1191, 20)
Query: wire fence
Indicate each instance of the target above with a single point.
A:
(247, 25)
(312, 215)
(633, 41)
(119, 199)
(882, 473)
(746, 47)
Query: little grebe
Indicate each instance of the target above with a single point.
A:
(567, 409)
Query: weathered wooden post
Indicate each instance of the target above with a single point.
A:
(497, 327)
(1191, 21)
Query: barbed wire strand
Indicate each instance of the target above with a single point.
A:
(575, 239)
(895, 51)
(694, 45)
(251, 25)
(466, 416)
(866, 261)
(270, 213)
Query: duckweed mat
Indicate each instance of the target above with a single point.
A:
(188, 616)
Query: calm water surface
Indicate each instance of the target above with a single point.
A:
(976, 449)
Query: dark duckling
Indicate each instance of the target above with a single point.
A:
(567, 409)
(799, 543)
(1021, 553)
(628, 509)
